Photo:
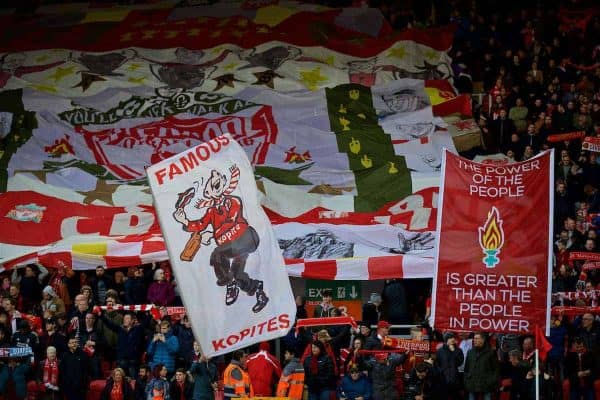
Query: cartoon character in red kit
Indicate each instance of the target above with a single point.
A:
(234, 237)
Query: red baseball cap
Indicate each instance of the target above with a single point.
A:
(383, 324)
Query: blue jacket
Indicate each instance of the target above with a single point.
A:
(350, 389)
(160, 352)
(204, 373)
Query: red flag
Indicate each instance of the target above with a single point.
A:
(541, 343)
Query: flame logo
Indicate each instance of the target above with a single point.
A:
(491, 235)
(491, 238)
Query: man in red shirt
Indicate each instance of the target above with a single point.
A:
(264, 370)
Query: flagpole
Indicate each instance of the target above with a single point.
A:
(537, 374)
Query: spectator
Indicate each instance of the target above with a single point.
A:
(205, 375)
(383, 375)
(158, 388)
(291, 383)
(163, 348)
(119, 285)
(161, 292)
(481, 369)
(300, 307)
(395, 302)
(51, 304)
(377, 341)
(421, 383)
(520, 385)
(100, 284)
(135, 287)
(58, 282)
(264, 370)
(52, 338)
(130, 341)
(589, 332)
(74, 376)
(518, 114)
(325, 308)
(579, 365)
(319, 373)
(185, 337)
(181, 387)
(14, 317)
(448, 358)
(354, 386)
(91, 340)
(110, 336)
(236, 381)
(30, 285)
(141, 382)
(117, 387)
(49, 374)
(352, 358)
(370, 310)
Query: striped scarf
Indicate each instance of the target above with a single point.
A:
(51, 372)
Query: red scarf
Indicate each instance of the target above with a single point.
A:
(181, 390)
(314, 365)
(117, 391)
(51, 372)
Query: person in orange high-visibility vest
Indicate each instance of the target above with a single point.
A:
(291, 383)
(236, 381)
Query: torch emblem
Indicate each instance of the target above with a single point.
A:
(491, 238)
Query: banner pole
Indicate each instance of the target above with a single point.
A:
(537, 374)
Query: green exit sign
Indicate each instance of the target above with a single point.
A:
(341, 290)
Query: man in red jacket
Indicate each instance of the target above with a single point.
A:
(264, 370)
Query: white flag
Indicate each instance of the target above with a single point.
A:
(222, 247)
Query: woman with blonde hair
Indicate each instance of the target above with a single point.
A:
(117, 387)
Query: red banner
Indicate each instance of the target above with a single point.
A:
(561, 137)
(591, 144)
(494, 245)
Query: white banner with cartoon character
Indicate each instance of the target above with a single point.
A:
(223, 250)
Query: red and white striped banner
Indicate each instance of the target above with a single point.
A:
(578, 295)
(367, 268)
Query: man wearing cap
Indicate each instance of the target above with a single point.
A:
(448, 358)
(383, 374)
(376, 341)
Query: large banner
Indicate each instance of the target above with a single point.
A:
(494, 246)
(223, 250)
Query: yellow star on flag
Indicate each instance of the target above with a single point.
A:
(60, 73)
(42, 58)
(431, 55)
(230, 66)
(149, 34)
(217, 49)
(312, 78)
(44, 88)
(398, 52)
(329, 60)
(137, 81)
(133, 67)
(126, 37)
(273, 15)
